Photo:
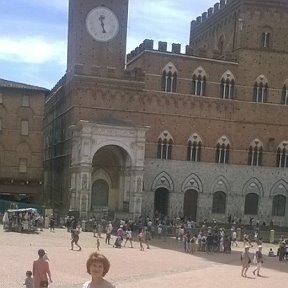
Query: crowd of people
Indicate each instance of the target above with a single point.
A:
(127, 232)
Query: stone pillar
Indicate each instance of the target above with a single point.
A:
(238, 234)
(272, 236)
(137, 205)
(136, 192)
(83, 191)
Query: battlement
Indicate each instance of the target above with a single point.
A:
(210, 12)
(148, 44)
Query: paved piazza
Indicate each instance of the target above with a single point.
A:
(164, 265)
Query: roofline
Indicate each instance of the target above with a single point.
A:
(18, 85)
(180, 55)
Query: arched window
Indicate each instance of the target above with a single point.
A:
(219, 202)
(227, 85)
(282, 155)
(279, 205)
(194, 148)
(260, 92)
(199, 79)
(169, 78)
(251, 204)
(222, 151)
(164, 147)
(265, 39)
(255, 153)
(285, 95)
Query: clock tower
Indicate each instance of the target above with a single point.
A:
(97, 34)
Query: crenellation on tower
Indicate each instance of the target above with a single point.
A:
(176, 48)
(204, 16)
(210, 12)
(148, 45)
(222, 3)
(216, 7)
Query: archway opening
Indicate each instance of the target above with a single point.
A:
(161, 201)
(190, 204)
(110, 168)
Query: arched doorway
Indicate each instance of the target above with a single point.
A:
(100, 194)
(161, 201)
(110, 168)
(190, 204)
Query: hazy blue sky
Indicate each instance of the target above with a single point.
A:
(33, 33)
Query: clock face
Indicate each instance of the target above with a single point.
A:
(102, 24)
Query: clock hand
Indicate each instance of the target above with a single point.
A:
(101, 18)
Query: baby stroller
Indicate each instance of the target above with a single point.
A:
(118, 242)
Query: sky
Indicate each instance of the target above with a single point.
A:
(33, 33)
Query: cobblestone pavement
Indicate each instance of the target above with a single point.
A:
(164, 265)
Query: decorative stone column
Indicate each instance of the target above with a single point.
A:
(272, 236)
(136, 192)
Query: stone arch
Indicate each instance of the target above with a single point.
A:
(200, 71)
(228, 75)
(279, 188)
(224, 140)
(256, 142)
(192, 182)
(102, 174)
(170, 67)
(163, 180)
(253, 185)
(195, 137)
(165, 135)
(261, 79)
(118, 144)
(221, 184)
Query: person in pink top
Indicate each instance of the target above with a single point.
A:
(41, 271)
(141, 239)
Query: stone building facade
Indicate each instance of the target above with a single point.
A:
(21, 141)
(201, 134)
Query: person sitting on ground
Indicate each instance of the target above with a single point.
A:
(97, 266)
(271, 253)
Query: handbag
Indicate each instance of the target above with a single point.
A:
(44, 283)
